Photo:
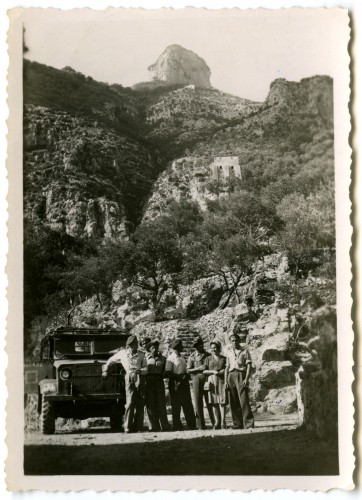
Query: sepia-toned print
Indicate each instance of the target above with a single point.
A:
(181, 177)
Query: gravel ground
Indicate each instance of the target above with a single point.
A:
(274, 447)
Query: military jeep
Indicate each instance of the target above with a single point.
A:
(69, 376)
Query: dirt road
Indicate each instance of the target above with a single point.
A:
(272, 448)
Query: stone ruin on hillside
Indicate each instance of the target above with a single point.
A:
(225, 167)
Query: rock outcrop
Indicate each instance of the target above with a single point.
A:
(76, 177)
(316, 355)
(177, 65)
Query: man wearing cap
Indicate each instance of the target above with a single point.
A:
(237, 375)
(196, 365)
(176, 371)
(155, 388)
(143, 344)
(135, 365)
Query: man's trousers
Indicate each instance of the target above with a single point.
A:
(135, 402)
(156, 403)
(181, 398)
(239, 401)
(198, 383)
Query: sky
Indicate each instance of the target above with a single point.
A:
(245, 50)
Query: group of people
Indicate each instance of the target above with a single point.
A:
(225, 377)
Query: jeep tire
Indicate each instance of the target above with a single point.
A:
(47, 417)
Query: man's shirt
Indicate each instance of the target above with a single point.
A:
(129, 360)
(237, 359)
(197, 359)
(176, 364)
(155, 365)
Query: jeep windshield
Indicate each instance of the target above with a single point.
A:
(81, 348)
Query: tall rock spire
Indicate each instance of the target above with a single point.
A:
(178, 65)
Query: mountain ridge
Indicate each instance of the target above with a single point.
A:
(173, 121)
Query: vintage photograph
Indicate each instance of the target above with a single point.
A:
(180, 299)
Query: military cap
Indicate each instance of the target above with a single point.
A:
(176, 343)
(131, 339)
(198, 340)
(151, 343)
(232, 334)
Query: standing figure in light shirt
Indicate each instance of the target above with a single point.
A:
(179, 386)
(135, 365)
(195, 367)
(237, 373)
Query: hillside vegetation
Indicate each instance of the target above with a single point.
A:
(120, 206)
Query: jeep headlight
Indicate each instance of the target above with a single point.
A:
(65, 374)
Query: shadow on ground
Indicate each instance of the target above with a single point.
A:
(282, 452)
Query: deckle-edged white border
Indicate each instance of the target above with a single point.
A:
(344, 305)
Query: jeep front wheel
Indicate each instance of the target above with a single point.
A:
(47, 417)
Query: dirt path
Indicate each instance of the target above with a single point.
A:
(276, 448)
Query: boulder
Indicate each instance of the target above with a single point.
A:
(281, 401)
(275, 348)
(276, 374)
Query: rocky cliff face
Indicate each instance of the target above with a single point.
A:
(77, 174)
(181, 66)
(290, 133)
(182, 117)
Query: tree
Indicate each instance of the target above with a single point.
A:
(309, 225)
(153, 259)
(96, 275)
(233, 236)
(185, 215)
(242, 213)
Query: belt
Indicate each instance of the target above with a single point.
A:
(237, 370)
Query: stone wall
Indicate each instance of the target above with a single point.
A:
(317, 381)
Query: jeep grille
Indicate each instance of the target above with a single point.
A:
(87, 379)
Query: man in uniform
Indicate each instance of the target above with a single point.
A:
(237, 373)
(179, 387)
(155, 388)
(196, 367)
(143, 344)
(135, 365)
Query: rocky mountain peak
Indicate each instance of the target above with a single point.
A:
(177, 65)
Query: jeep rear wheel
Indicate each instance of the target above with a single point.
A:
(115, 420)
(47, 417)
